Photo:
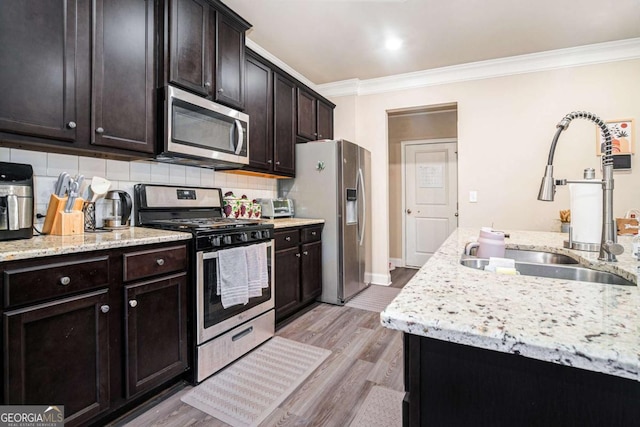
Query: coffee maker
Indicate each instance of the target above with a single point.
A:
(16, 201)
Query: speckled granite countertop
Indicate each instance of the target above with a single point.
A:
(42, 246)
(293, 222)
(585, 325)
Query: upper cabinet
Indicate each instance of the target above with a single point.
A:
(78, 76)
(206, 50)
(314, 118)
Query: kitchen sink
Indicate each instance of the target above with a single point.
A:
(545, 264)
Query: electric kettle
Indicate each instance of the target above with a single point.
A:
(119, 206)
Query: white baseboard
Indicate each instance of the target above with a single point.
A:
(379, 279)
(396, 262)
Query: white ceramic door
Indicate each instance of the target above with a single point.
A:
(430, 199)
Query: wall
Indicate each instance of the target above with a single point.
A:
(505, 127)
(408, 127)
(124, 175)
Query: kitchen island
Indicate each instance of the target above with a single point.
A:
(483, 348)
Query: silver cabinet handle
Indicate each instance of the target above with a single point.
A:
(105, 308)
(298, 255)
(269, 161)
(133, 303)
(277, 163)
(319, 136)
(305, 252)
(220, 90)
(288, 238)
(207, 84)
(100, 130)
(160, 261)
(64, 281)
(71, 125)
(313, 233)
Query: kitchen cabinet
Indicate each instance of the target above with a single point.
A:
(206, 50)
(259, 106)
(314, 119)
(298, 273)
(87, 84)
(453, 384)
(284, 131)
(97, 332)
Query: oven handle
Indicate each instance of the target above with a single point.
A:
(214, 254)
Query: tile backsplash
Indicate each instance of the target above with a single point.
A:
(124, 175)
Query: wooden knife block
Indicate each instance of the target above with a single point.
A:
(61, 223)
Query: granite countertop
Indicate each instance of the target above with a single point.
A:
(585, 325)
(292, 222)
(42, 246)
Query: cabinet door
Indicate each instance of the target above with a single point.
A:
(190, 45)
(229, 64)
(311, 274)
(156, 332)
(284, 133)
(325, 120)
(258, 105)
(287, 286)
(57, 353)
(123, 85)
(44, 76)
(306, 117)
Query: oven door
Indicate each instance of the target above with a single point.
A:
(213, 319)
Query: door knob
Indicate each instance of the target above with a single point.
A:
(104, 308)
(409, 211)
(133, 303)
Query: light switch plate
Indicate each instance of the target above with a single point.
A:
(473, 196)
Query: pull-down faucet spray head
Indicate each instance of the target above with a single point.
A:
(608, 246)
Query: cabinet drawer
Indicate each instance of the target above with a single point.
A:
(287, 239)
(50, 280)
(153, 262)
(311, 234)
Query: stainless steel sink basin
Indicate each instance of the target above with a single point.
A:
(545, 264)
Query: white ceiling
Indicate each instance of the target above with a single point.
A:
(333, 40)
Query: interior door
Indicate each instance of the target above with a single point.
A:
(431, 189)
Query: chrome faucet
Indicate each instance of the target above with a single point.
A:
(608, 246)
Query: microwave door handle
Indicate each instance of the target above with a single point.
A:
(240, 137)
(12, 212)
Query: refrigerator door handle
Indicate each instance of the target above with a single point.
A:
(362, 229)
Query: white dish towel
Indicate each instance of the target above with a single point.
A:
(258, 272)
(233, 282)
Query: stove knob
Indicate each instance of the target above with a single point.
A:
(256, 235)
(215, 240)
(226, 240)
(243, 237)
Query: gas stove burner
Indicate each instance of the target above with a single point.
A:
(207, 222)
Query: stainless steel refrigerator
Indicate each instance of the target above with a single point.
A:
(333, 182)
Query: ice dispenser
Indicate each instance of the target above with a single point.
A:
(352, 206)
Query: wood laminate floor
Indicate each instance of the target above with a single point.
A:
(364, 354)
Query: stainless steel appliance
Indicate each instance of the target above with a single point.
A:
(16, 201)
(119, 206)
(277, 208)
(202, 133)
(220, 335)
(332, 182)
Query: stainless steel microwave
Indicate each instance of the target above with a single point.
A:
(203, 133)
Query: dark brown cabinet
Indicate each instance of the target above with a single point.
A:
(206, 52)
(94, 331)
(59, 353)
(298, 268)
(259, 107)
(314, 119)
(86, 85)
(156, 332)
(284, 130)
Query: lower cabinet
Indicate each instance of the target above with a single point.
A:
(298, 259)
(76, 332)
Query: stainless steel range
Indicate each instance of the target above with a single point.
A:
(221, 335)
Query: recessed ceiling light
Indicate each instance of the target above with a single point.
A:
(393, 43)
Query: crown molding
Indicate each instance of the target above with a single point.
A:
(277, 61)
(621, 50)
